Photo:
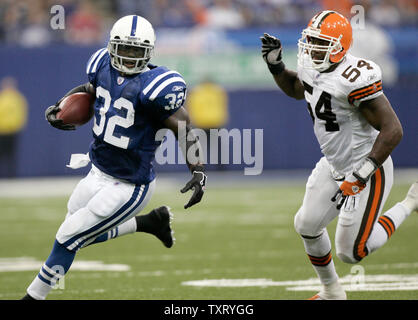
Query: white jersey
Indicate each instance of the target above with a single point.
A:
(344, 135)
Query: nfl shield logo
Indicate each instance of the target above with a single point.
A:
(120, 80)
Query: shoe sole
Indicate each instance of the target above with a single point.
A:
(170, 243)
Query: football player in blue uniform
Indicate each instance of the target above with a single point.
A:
(134, 99)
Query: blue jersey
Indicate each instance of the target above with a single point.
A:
(128, 112)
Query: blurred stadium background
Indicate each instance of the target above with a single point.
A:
(201, 39)
(215, 39)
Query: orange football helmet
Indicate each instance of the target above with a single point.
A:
(334, 30)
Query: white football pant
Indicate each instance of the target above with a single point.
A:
(357, 216)
(98, 204)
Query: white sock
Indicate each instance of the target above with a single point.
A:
(38, 289)
(319, 253)
(122, 229)
(127, 227)
(386, 225)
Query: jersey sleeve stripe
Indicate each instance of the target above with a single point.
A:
(372, 89)
(153, 82)
(97, 60)
(364, 95)
(93, 59)
(163, 85)
(354, 92)
(364, 92)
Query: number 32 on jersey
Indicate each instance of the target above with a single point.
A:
(113, 120)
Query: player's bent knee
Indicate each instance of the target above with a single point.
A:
(345, 249)
(305, 226)
(297, 223)
(72, 206)
(347, 257)
(72, 226)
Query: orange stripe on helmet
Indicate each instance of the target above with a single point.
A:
(336, 25)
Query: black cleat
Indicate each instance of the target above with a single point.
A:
(158, 223)
(27, 297)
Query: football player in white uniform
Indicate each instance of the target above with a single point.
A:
(357, 130)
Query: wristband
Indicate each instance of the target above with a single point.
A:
(276, 68)
(197, 168)
(366, 170)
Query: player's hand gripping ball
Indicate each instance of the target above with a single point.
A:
(74, 110)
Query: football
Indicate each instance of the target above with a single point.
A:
(77, 108)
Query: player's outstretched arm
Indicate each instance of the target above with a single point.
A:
(287, 80)
(189, 142)
(51, 111)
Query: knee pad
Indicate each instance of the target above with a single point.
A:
(72, 226)
(304, 226)
(72, 206)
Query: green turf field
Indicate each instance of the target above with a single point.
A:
(235, 233)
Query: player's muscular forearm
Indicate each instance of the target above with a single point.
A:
(186, 138)
(189, 142)
(288, 81)
(379, 113)
(86, 87)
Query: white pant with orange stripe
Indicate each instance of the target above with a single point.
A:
(98, 204)
(355, 222)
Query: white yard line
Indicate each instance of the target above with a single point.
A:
(31, 264)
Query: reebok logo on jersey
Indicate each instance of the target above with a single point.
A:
(177, 88)
(372, 77)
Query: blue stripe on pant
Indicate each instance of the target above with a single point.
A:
(114, 220)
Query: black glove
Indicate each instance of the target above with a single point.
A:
(271, 50)
(198, 185)
(51, 117)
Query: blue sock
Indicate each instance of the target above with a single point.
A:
(55, 267)
(106, 236)
(57, 264)
(102, 238)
